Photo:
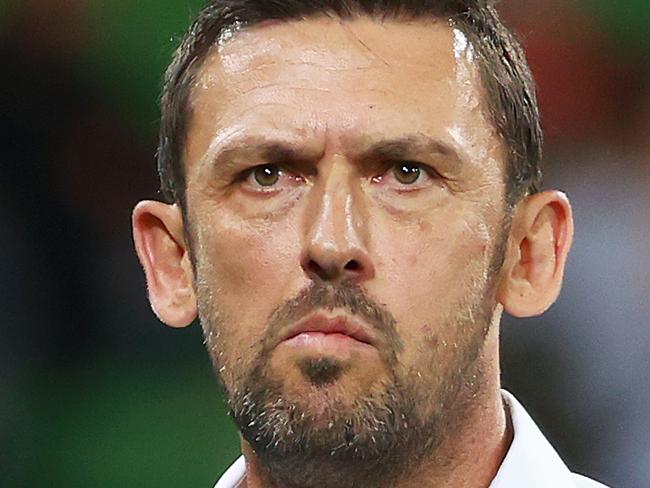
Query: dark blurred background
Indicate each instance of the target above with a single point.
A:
(95, 392)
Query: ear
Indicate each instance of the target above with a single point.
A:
(540, 238)
(160, 243)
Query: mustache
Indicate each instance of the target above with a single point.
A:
(345, 295)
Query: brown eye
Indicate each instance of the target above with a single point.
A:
(406, 173)
(267, 175)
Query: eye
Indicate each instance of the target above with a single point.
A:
(269, 178)
(407, 173)
(267, 175)
(403, 175)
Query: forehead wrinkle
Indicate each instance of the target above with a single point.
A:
(350, 32)
(248, 52)
(239, 55)
(212, 70)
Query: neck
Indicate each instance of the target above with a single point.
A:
(468, 459)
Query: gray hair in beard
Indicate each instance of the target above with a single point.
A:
(372, 442)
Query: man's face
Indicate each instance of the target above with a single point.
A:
(344, 176)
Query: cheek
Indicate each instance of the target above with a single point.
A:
(428, 268)
(248, 266)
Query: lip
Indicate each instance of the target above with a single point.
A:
(329, 325)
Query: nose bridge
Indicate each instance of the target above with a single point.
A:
(338, 212)
(336, 240)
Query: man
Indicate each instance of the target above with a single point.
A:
(352, 202)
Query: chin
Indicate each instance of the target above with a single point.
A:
(322, 372)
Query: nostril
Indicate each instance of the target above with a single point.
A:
(352, 265)
(313, 267)
(332, 269)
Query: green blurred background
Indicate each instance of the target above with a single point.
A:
(95, 392)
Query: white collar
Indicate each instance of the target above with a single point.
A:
(234, 475)
(531, 461)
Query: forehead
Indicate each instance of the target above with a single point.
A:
(349, 79)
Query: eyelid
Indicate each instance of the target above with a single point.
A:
(386, 167)
(429, 170)
(426, 167)
(243, 176)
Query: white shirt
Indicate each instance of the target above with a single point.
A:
(531, 461)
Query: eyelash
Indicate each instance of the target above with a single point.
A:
(424, 169)
(246, 175)
(386, 168)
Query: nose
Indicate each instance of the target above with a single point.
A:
(329, 264)
(336, 243)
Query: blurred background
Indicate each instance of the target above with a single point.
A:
(95, 392)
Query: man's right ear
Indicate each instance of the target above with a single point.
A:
(159, 238)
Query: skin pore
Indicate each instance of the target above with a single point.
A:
(348, 169)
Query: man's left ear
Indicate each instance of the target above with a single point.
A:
(540, 238)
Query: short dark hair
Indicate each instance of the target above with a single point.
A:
(503, 67)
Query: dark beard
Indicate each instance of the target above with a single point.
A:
(372, 442)
(321, 371)
(378, 438)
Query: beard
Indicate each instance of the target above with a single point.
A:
(377, 437)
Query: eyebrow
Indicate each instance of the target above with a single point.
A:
(410, 146)
(267, 151)
(285, 152)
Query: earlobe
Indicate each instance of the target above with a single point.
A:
(540, 238)
(160, 243)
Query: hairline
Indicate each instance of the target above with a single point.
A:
(199, 65)
(192, 69)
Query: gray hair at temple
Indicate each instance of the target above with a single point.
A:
(505, 74)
